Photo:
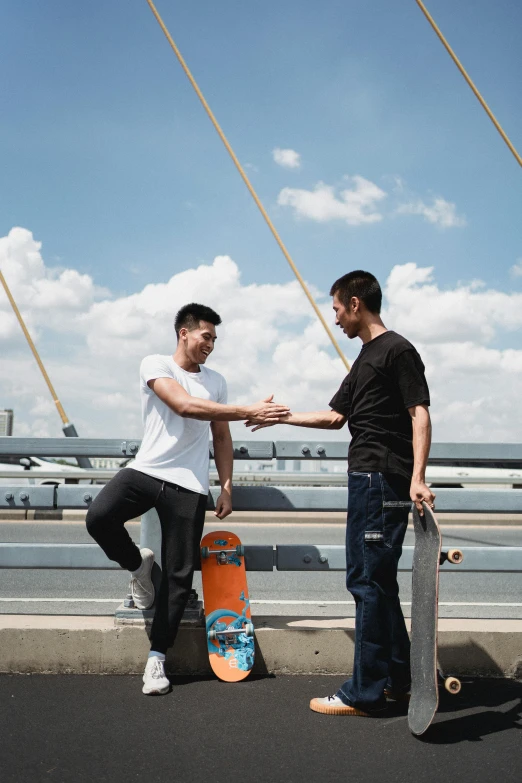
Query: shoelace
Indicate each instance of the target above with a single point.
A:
(137, 583)
(156, 670)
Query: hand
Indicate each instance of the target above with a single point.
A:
(419, 492)
(255, 427)
(265, 412)
(223, 505)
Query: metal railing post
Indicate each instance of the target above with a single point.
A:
(150, 537)
(150, 533)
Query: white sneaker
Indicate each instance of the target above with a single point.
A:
(141, 585)
(154, 678)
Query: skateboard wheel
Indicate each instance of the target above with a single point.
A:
(240, 550)
(212, 635)
(452, 685)
(455, 556)
(249, 629)
(205, 552)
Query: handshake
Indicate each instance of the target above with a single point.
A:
(265, 414)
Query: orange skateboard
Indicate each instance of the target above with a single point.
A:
(230, 633)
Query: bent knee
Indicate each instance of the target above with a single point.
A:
(94, 521)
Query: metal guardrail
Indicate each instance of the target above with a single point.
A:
(446, 475)
(282, 557)
(266, 498)
(257, 498)
(495, 455)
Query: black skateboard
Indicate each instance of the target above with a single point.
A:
(425, 671)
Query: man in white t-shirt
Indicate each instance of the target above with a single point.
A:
(181, 400)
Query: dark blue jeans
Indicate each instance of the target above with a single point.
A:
(374, 537)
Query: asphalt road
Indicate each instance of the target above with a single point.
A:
(79, 729)
(495, 595)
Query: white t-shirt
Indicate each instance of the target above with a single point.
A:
(174, 448)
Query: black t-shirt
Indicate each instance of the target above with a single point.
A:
(386, 379)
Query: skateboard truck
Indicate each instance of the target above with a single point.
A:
(221, 554)
(248, 630)
(451, 684)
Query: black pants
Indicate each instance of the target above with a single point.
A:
(182, 515)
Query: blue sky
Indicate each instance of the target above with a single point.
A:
(107, 156)
(108, 160)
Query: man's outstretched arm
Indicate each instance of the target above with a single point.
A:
(323, 420)
(181, 402)
(421, 422)
(224, 458)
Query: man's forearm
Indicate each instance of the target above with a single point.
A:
(421, 423)
(326, 420)
(207, 410)
(176, 397)
(224, 459)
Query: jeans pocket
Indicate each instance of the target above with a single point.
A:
(395, 518)
(374, 526)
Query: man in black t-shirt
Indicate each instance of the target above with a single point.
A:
(385, 401)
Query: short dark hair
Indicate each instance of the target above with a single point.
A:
(363, 285)
(191, 314)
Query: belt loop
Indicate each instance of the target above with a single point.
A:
(370, 477)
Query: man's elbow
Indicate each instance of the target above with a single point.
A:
(183, 408)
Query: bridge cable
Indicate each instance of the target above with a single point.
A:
(469, 81)
(32, 346)
(247, 183)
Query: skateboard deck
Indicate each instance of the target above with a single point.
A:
(230, 632)
(427, 558)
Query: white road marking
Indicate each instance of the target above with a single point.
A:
(403, 603)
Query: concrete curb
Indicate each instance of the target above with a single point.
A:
(40, 644)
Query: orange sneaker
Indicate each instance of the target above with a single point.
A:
(332, 705)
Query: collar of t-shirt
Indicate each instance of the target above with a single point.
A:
(190, 374)
(376, 339)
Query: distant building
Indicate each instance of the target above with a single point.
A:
(6, 422)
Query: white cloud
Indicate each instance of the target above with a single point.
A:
(355, 205)
(441, 212)
(98, 384)
(516, 269)
(466, 313)
(43, 406)
(288, 159)
(270, 341)
(475, 388)
(47, 296)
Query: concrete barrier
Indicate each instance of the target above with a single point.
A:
(32, 644)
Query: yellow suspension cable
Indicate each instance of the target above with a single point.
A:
(247, 182)
(469, 81)
(32, 346)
